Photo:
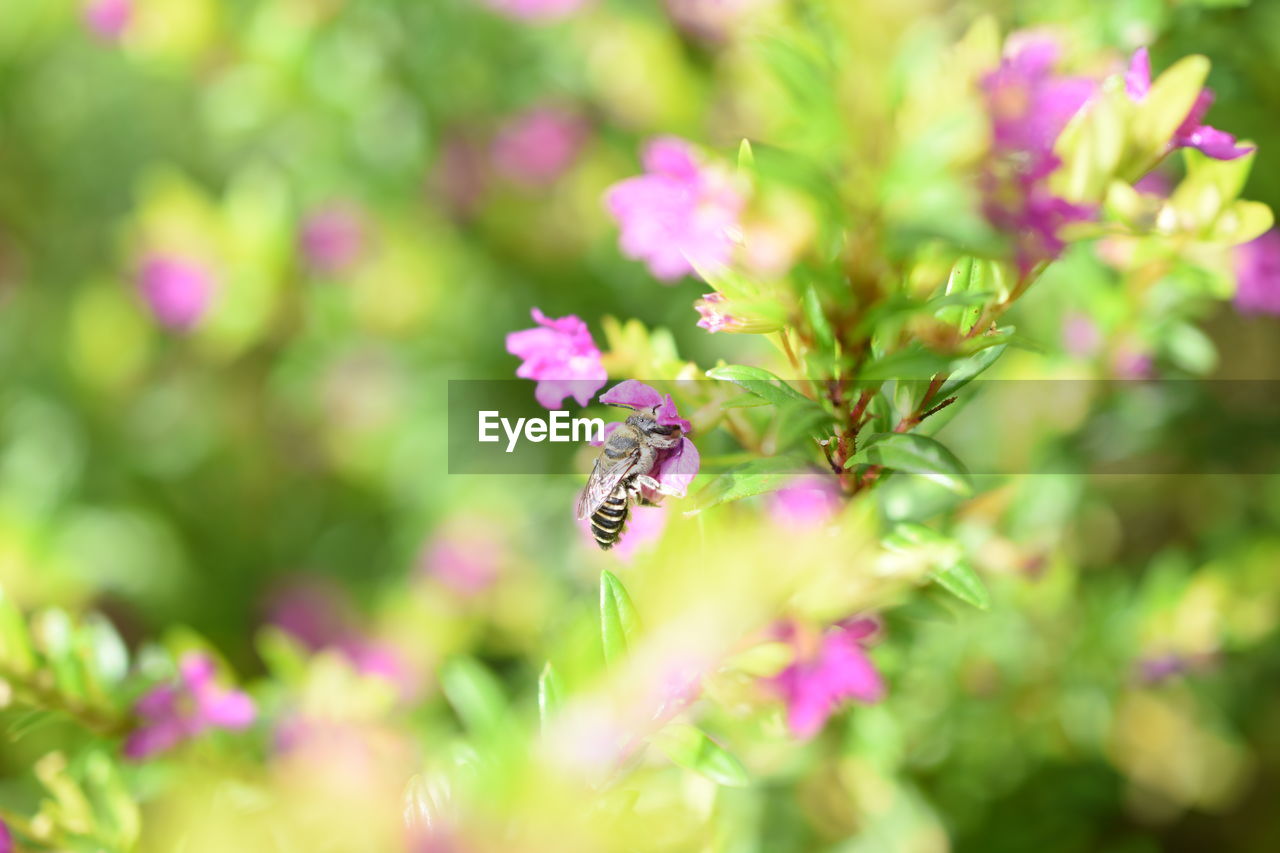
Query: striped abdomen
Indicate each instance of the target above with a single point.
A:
(608, 520)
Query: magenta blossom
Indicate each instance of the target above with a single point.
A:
(680, 214)
(172, 713)
(176, 289)
(537, 146)
(1210, 141)
(1029, 105)
(675, 468)
(108, 19)
(807, 502)
(561, 356)
(1258, 275)
(535, 10)
(332, 238)
(6, 838)
(815, 685)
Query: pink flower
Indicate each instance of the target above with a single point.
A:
(317, 617)
(1210, 141)
(807, 502)
(675, 468)
(712, 20)
(332, 238)
(561, 356)
(466, 561)
(176, 289)
(711, 315)
(1029, 105)
(644, 527)
(679, 214)
(535, 10)
(1129, 362)
(1080, 335)
(108, 19)
(537, 146)
(1258, 275)
(815, 686)
(6, 838)
(173, 713)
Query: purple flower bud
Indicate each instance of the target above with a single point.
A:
(679, 214)
(1210, 141)
(537, 146)
(821, 680)
(710, 313)
(561, 355)
(176, 289)
(332, 238)
(173, 713)
(108, 19)
(1258, 275)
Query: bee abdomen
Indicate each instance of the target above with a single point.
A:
(607, 522)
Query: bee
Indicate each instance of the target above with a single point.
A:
(622, 469)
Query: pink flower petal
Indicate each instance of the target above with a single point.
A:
(632, 394)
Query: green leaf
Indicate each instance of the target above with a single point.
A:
(618, 619)
(964, 372)
(16, 652)
(690, 747)
(915, 454)
(1165, 106)
(753, 478)
(746, 159)
(759, 382)
(817, 318)
(914, 362)
(102, 652)
(55, 635)
(474, 693)
(745, 401)
(550, 694)
(963, 582)
(801, 421)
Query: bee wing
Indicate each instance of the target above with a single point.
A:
(602, 482)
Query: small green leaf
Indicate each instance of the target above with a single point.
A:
(914, 362)
(915, 454)
(618, 619)
(753, 478)
(16, 653)
(746, 159)
(54, 633)
(964, 372)
(757, 381)
(963, 582)
(817, 319)
(550, 694)
(474, 694)
(690, 747)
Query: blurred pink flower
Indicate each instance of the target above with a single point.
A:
(317, 617)
(711, 315)
(1210, 141)
(1129, 362)
(560, 354)
(535, 10)
(1080, 335)
(712, 20)
(643, 528)
(332, 238)
(108, 19)
(1029, 105)
(6, 838)
(679, 214)
(815, 686)
(1258, 275)
(172, 713)
(538, 145)
(467, 561)
(176, 289)
(460, 175)
(809, 501)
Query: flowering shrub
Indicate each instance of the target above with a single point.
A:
(901, 559)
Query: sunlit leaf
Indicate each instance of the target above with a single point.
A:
(915, 454)
(618, 619)
(690, 747)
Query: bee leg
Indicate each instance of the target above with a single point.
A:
(653, 485)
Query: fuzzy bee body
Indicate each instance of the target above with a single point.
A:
(609, 520)
(624, 465)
